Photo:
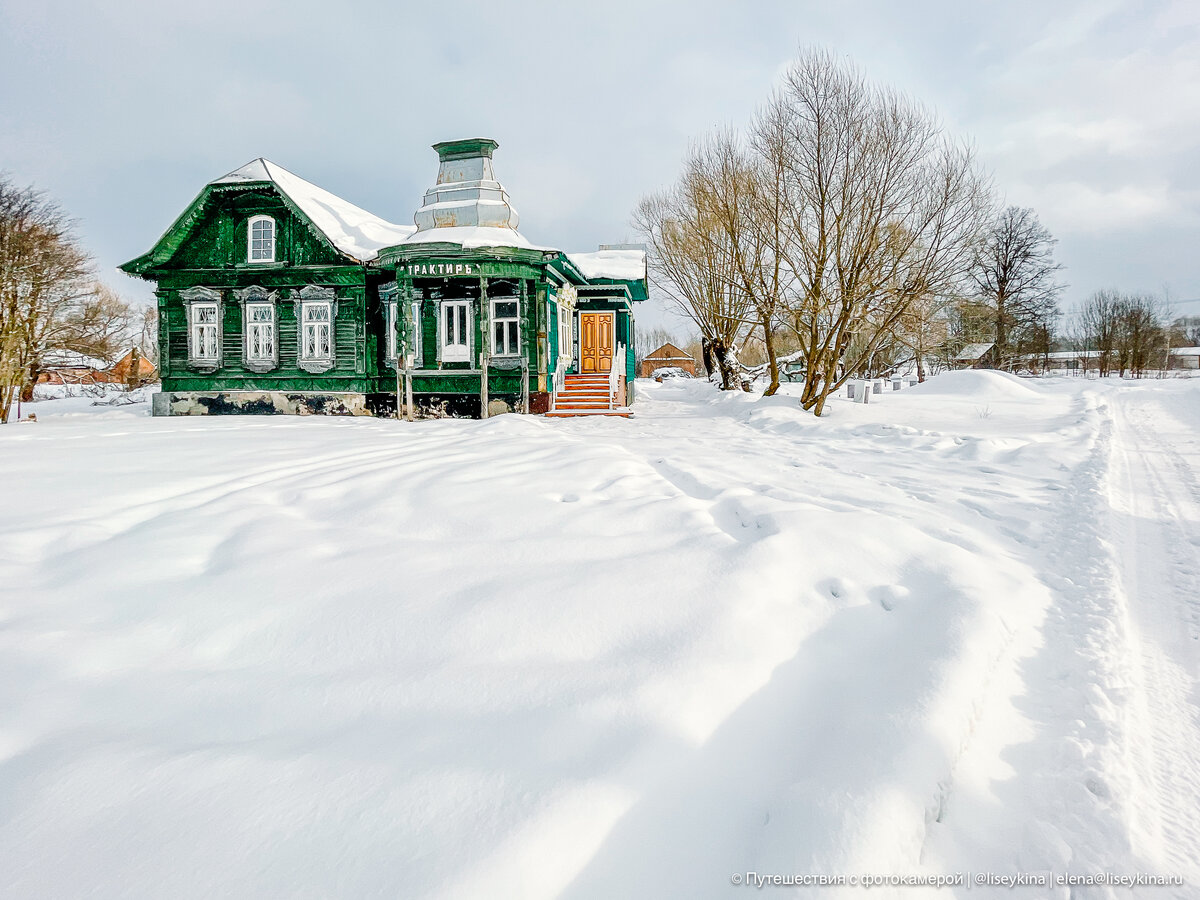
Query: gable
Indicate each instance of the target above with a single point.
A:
(668, 351)
(212, 233)
(219, 239)
(314, 227)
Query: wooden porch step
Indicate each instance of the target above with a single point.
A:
(621, 411)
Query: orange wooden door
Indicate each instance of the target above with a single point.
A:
(595, 342)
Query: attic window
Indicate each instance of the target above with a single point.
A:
(261, 240)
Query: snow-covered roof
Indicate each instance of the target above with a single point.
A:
(973, 351)
(473, 236)
(69, 359)
(1186, 351)
(619, 265)
(352, 230)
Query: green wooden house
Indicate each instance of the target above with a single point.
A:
(275, 296)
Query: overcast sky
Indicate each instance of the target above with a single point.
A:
(1087, 111)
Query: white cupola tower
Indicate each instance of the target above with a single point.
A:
(467, 192)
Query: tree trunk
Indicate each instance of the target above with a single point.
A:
(721, 363)
(773, 364)
(921, 368)
(1001, 334)
(706, 353)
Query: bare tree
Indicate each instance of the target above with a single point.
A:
(1143, 338)
(692, 262)
(845, 207)
(43, 277)
(1016, 279)
(924, 328)
(145, 328)
(1098, 323)
(883, 210)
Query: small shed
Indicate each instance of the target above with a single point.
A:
(976, 356)
(668, 356)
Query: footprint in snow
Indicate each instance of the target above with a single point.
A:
(888, 595)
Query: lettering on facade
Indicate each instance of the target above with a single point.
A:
(439, 269)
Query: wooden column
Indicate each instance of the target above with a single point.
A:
(485, 328)
(412, 329)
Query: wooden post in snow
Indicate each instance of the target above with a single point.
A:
(524, 385)
(400, 394)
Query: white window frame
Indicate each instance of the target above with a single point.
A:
(460, 328)
(565, 326)
(308, 301)
(313, 324)
(250, 239)
(205, 343)
(511, 324)
(264, 329)
(252, 297)
(202, 298)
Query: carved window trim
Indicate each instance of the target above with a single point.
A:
(266, 245)
(388, 294)
(193, 299)
(257, 296)
(415, 307)
(311, 297)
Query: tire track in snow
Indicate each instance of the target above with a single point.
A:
(1157, 520)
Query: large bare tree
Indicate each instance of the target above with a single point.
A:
(1016, 280)
(43, 274)
(883, 210)
(48, 300)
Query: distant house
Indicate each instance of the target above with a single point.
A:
(1185, 358)
(976, 356)
(66, 367)
(668, 356)
(120, 371)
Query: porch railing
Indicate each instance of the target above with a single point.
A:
(614, 374)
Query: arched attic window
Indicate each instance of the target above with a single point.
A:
(260, 240)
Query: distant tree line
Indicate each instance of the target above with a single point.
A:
(49, 298)
(846, 230)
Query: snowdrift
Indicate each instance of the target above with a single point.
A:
(578, 660)
(977, 384)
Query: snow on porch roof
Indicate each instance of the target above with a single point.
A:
(617, 265)
(352, 230)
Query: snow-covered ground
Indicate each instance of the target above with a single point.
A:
(952, 631)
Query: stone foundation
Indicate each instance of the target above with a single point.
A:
(258, 403)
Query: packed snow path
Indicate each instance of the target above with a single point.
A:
(1155, 493)
(952, 631)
